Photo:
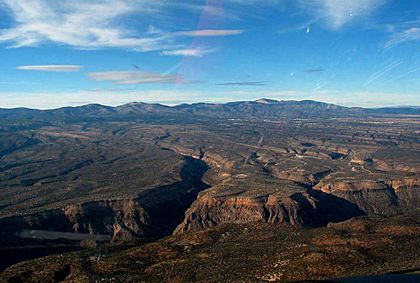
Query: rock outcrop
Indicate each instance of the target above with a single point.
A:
(155, 213)
(312, 208)
(377, 197)
(324, 203)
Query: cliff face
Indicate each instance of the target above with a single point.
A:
(121, 220)
(157, 212)
(208, 212)
(377, 197)
(312, 209)
(326, 202)
(153, 214)
(104, 220)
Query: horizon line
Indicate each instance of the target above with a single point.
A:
(162, 103)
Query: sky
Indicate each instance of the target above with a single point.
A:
(56, 53)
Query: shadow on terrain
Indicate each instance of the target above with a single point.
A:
(159, 211)
(173, 200)
(13, 255)
(328, 207)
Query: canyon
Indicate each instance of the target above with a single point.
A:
(96, 176)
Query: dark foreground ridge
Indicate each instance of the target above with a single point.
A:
(256, 252)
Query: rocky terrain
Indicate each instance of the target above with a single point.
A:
(94, 175)
(256, 252)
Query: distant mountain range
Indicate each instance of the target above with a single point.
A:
(259, 109)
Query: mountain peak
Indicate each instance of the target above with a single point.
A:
(266, 101)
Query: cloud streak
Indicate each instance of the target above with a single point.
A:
(411, 34)
(311, 71)
(253, 83)
(134, 77)
(384, 71)
(209, 32)
(51, 68)
(191, 52)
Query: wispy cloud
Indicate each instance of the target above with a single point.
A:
(318, 70)
(210, 32)
(383, 71)
(412, 71)
(134, 77)
(51, 68)
(192, 52)
(94, 25)
(337, 13)
(254, 83)
(411, 34)
(319, 86)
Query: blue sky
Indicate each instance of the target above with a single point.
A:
(73, 52)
